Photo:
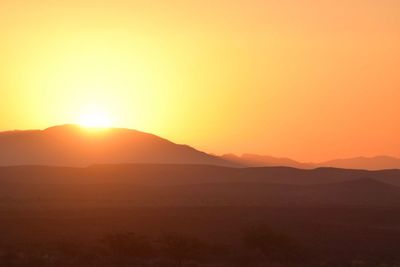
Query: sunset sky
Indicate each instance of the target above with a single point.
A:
(310, 79)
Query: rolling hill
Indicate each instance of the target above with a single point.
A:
(196, 185)
(71, 145)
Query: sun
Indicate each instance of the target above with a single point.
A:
(95, 118)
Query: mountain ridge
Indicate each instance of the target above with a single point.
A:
(381, 162)
(72, 145)
(197, 185)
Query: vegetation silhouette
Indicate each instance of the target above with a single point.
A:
(128, 248)
(273, 246)
(180, 248)
(259, 246)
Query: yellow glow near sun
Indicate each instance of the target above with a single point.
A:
(95, 118)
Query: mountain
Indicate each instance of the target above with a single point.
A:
(72, 145)
(253, 160)
(371, 163)
(196, 185)
(183, 174)
(362, 163)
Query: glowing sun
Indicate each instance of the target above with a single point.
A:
(95, 118)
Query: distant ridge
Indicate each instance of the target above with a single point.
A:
(72, 145)
(370, 163)
(253, 160)
(198, 185)
(361, 163)
(75, 146)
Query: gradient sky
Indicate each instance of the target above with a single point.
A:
(311, 79)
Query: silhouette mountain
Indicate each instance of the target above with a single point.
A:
(368, 163)
(196, 185)
(362, 163)
(254, 160)
(72, 145)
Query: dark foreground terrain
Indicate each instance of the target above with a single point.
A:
(193, 215)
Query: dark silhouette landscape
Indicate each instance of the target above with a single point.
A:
(118, 197)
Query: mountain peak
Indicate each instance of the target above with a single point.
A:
(64, 128)
(72, 145)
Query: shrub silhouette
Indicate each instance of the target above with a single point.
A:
(129, 245)
(8, 258)
(272, 245)
(180, 248)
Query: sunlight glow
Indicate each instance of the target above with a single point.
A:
(95, 118)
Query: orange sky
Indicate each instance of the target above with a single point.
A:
(309, 79)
